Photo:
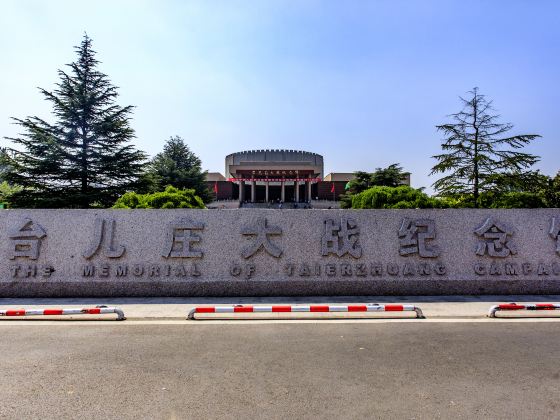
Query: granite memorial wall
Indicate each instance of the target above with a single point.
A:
(252, 252)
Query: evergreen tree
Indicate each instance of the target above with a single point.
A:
(475, 150)
(178, 166)
(4, 163)
(85, 157)
(391, 176)
(360, 182)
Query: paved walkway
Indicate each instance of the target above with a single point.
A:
(434, 307)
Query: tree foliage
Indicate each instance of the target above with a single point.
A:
(178, 166)
(552, 191)
(391, 176)
(402, 197)
(476, 151)
(84, 156)
(171, 198)
(7, 191)
(360, 182)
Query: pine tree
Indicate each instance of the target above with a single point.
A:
(85, 157)
(179, 167)
(391, 176)
(475, 151)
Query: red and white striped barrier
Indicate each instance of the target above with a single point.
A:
(525, 306)
(85, 311)
(369, 307)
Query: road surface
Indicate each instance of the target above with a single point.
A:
(316, 369)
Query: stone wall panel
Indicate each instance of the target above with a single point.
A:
(260, 252)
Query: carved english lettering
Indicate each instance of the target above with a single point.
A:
(304, 270)
(480, 269)
(88, 270)
(511, 269)
(393, 269)
(330, 270)
(361, 270)
(376, 269)
(345, 270)
(235, 270)
(408, 270)
(543, 270)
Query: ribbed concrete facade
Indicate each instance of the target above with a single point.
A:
(273, 160)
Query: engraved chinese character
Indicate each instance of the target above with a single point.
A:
(496, 239)
(413, 235)
(554, 233)
(26, 239)
(341, 238)
(262, 232)
(104, 234)
(180, 237)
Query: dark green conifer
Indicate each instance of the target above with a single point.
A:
(178, 166)
(475, 151)
(84, 158)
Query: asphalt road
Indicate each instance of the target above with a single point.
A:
(278, 370)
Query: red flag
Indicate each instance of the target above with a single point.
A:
(332, 188)
(216, 187)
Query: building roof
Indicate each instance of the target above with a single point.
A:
(214, 176)
(339, 176)
(273, 159)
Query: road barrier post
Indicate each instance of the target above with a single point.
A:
(526, 306)
(82, 311)
(369, 307)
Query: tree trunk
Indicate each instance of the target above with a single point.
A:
(475, 169)
(84, 172)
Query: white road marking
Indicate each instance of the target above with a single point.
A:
(66, 322)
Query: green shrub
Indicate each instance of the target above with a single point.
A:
(518, 200)
(7, 191)
(500, 200)
(403, 197)
(171, 198)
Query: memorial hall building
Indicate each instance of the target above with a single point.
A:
(264, 176)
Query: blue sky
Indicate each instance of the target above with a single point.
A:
(361, 82)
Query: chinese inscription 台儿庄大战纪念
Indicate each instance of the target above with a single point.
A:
(26, 239)
(340, 237)
(261, 230)
(413, 235)
(179, 238)
(495, 239)
(104, 234)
